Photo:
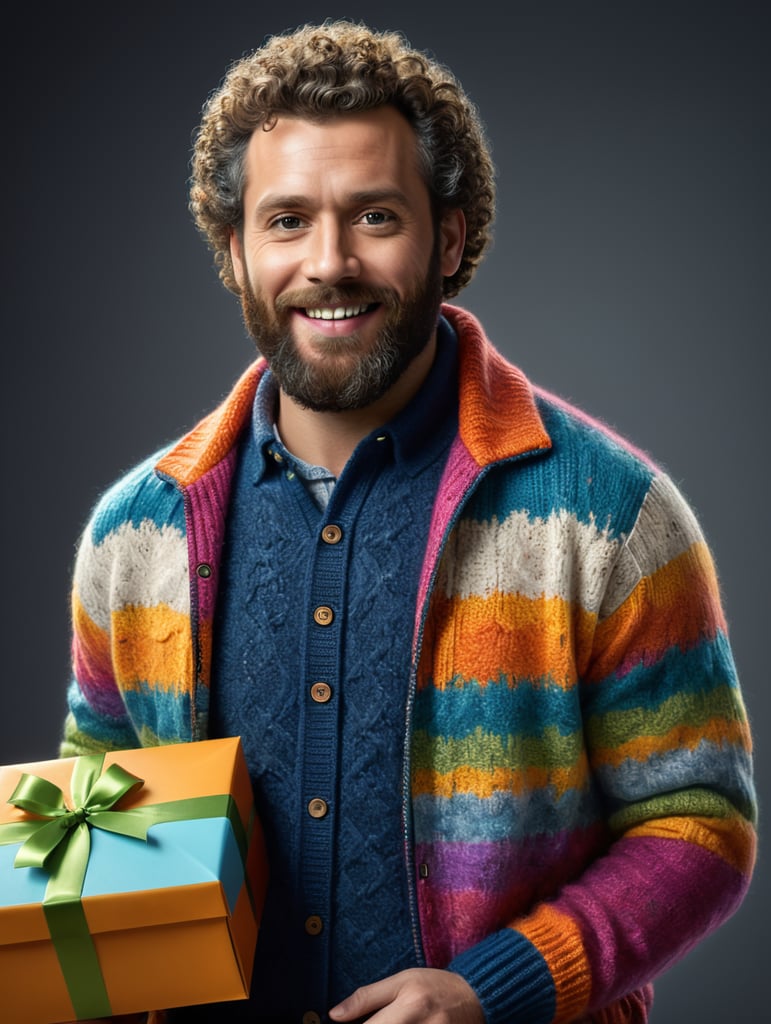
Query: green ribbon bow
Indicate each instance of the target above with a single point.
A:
(58, 841)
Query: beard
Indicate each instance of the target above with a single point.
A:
(353, 373)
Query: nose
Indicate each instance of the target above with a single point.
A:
(330, 256)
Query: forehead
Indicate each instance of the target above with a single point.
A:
(375, 146)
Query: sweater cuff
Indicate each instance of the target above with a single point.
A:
(510, 978)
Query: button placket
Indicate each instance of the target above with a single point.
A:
(320, 731)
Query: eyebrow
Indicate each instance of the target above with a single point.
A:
(273, 204)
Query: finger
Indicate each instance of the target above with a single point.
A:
(365, 1000)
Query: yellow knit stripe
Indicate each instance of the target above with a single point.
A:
(484, 783)
(733, 839)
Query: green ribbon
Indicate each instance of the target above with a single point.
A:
(58, 841)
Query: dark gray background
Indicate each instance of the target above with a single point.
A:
(630, 274)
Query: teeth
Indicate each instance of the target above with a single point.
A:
(336, 313)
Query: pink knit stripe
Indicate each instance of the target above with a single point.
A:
(667, 916)
(98, 687)
(459, 473)
(208, 499)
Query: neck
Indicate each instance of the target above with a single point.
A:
(329, 438)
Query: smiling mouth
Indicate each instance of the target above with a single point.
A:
(338, 312)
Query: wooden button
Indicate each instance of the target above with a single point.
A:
(317, 808)
(321, 693)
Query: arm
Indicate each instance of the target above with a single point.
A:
(668, 747)
(131, 643)
(97, 718)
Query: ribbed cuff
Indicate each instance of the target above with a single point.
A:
(510, 979)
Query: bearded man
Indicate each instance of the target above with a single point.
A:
(471, 641)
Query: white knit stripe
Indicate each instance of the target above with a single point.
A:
(665, 528)
(554, 557)
(143, 565)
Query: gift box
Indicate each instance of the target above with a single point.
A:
(129, 881)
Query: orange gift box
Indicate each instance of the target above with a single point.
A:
(170, 920)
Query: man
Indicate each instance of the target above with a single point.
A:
(472, 642)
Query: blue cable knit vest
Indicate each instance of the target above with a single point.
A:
(311, 667)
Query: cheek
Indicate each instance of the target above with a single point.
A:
(404, 267)
(271, 272)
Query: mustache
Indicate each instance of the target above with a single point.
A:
(354, 295)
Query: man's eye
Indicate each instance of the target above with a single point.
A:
(287, 222)
(375, 217)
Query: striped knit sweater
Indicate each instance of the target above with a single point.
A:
(578, 801)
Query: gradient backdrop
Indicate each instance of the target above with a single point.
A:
(630, 274)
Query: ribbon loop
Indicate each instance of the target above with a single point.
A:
(37, 796)
(110, 787)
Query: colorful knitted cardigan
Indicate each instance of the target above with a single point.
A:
(578, 801)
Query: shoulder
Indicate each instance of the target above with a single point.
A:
(582, 438)
(141, 495)
(623, 480)
(133, 551)
(586, 474)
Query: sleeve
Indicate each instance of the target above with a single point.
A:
(132, 648)
(97, 718)
(668, 744)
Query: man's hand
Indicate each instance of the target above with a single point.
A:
(421, 994)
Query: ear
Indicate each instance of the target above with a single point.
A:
(237, 256)
(452, 239)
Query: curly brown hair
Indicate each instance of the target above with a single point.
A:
(322, 71)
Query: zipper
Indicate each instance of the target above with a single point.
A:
(407, 815)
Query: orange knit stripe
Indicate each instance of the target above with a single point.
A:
(495, 422)
(558, 938)
(92, 640)
(472, 637)
(719, 731)
(662, 612)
